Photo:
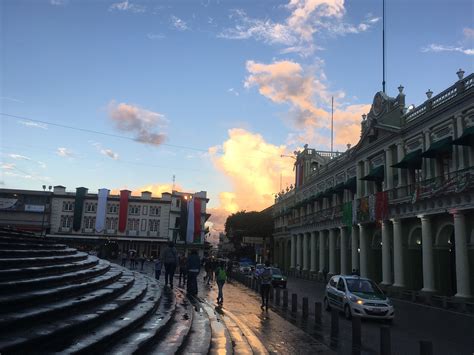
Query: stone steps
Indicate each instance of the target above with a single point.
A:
(11, 245)
(27, 253)
(221, 343)
(39, 271)
(11, 263)
(14, 286)
(74, 303)
(177, 329)
(199, 337)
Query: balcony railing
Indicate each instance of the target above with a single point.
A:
(368, 208)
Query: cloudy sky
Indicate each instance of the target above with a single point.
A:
(126, 94)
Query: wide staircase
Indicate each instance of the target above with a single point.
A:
(55, 299)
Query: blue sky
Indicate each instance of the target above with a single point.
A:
(237, 82)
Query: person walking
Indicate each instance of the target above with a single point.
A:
(170, 259)
(194, 265)
(265, 284)
(142, 260)
(157, 268)
(221, 277)
(182, 269)
(124, 259)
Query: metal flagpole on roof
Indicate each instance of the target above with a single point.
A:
(383, 45)
(332, 122)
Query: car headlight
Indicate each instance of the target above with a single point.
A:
(389, 302)
(356, 300)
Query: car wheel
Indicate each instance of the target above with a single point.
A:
(347, 311)
(327, 307)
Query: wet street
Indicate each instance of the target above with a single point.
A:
(279, 332)
(450, 332)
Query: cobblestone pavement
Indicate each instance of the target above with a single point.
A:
(450, 332)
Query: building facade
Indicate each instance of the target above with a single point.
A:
(141, 223)
(398, 207)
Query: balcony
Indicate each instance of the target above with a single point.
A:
(111, 231)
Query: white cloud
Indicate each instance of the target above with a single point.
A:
(7, 166)
(127, 6)
(306, 18)
(41, 164)
(143, 123)
(468, 36)
(18, 157)
(178, 23)
(64, 152)
(6, 98)
(105, 151)
(442, 48)
(233, 91)
(34, 124)
(155, 36)
(58, 2)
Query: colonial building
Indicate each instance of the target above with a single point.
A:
(398, 206)
(141, 223)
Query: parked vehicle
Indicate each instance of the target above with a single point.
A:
(244, 268)
(360, 296)
(278, 280)
(258, 270)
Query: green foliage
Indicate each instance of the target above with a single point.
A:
(249, 224)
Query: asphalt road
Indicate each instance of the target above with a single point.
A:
(451, 332)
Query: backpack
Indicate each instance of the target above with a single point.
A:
(266, 276)
(221, 274)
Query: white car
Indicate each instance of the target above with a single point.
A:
(359, 296)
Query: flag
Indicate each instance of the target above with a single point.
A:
(193, 225)
(81, 193)
(101, 210)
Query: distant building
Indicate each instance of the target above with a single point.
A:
(398, 206)
(141, 223)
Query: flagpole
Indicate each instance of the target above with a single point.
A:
(332, 122)
(383, 45)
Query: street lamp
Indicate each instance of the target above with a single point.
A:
(44, 209)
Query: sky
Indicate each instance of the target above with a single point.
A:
(127, 94)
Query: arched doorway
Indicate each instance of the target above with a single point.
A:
(375, 267)
(445, 261)
(414, 276)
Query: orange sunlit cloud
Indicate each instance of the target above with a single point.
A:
(254, 168)
(155, 189)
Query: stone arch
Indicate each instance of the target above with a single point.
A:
(414, 278)
(445, 260)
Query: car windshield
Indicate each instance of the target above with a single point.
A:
(364, 286)
(276, 272)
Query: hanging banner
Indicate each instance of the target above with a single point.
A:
(81, 193)
(197, 221)
(101, 210)
(190, 222)
(123, 210)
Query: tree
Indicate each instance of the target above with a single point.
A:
(248, 224)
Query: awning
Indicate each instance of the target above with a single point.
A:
(438, 147)
(351, 184)
(339, 187)
(375, 174)
(328, 192)
(410, 161)
(467, 137)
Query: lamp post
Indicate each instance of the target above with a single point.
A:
(44, 209)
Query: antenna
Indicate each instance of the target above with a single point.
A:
(383, 46)
(332, 122)
(174, 180)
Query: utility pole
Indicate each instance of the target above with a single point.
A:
(332, 123)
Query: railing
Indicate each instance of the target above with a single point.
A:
(368, 208)
(440, 99)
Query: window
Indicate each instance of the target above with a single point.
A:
(177, 222)
(91, 207)
(340, 285)
(333, 281)
(89, 222)
(133, 224)
(66, 221)
(111, 223)
(112, 208)
(134, 210)
(68, 206)
(178, 202)
(154, 225)
(145, 210)
(155, 210)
